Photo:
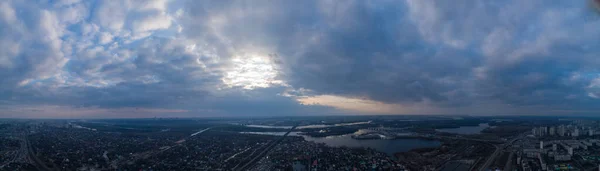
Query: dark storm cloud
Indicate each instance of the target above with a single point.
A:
(454, 53)
(353, 48)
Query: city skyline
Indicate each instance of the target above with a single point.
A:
(189, 58)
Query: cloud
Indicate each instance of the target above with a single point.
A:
(455, 53)
(31, 39)
(104, 38)
(301, 57)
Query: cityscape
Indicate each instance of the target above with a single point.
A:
(303, 143)
(299, 85)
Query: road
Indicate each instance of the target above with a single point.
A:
(263, 153)
(150, 153)
(509, 162)
(233, 156)
(36, 161)
(499, 148)
(491, 159)
(200, 132)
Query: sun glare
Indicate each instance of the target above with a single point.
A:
(250, 72)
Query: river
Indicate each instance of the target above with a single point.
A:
(387, 146)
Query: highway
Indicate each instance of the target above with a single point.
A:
(263, 153)
(489, 161)
(492, 157)
(36, 161)
(499, 149)
(509, 162)
(150, 153)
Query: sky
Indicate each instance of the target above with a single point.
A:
(228, 58)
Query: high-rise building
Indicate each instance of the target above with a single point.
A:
(539, 131)
(575, 132)
(541, 145)
(561, 130)
(591, 132)
(552, 131)
(570, 149)
(554, 148)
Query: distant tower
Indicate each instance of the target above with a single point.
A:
(542, 145)
(591, 132)
(554, 147)
(575, 132)
(552, 131)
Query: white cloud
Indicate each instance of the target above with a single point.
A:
(111, 14)
(104, 38)
(595, 83)
(431, 23)
(496, 42)
(61, 3)
(7, 12)
(160, 5)
(73, 14)
(593, 88)
(152, 22)
(34, 38)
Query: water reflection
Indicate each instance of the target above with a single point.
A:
(387, 146)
